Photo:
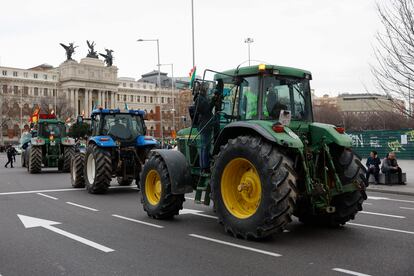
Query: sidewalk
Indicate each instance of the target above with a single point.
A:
(407, 166)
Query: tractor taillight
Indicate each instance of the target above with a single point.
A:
(51, 138)
(340, 130)
(278, 128)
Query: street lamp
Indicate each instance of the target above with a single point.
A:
(172, 91)
(192, 30)
(249, 41)
(159, 82)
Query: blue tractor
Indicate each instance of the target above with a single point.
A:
(117, 147)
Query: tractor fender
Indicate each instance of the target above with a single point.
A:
(232, 130)
(144, 141)
(103, 141)
(178, 170)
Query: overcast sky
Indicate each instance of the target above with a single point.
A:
(331, 38)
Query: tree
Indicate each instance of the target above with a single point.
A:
(394, 52)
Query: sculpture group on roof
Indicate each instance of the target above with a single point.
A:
(70, 50)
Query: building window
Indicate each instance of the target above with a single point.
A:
(151, 99)
(138, 98)
(144, 86)
(25, 91)
(124, 84)
(45, 76)
(131, 85)
(54, 77)
(162, 99)
(132, 98)
(4, 73)
(125, 98)
(54, 92)
(117, 97)
(4, 89)
(25, 74)
(145, 99)
(35, 75)
(15, 74)
(15, 90)
(45, 92)
(36, 91)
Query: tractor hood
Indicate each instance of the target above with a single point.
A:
(330, 134)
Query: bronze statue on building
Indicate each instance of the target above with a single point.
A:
(108, 57)
(91, 52)
(69, 50)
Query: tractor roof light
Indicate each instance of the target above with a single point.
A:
(103, 139)
(340, 130)
(262, 67)
(278, 128)
(51, 138)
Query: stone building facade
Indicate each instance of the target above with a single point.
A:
(76, 88)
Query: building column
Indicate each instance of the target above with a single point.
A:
(76, 102)
(85, 103)
(111, 99)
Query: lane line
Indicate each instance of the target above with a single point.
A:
(381, 228)
(82, 206)
(350, 272)
(189, 198)
(236, 245)
(59, 190)
(389, 199)
(138, 221)
(407, 208)
(48, 196)
(381, 214)
(196, 213)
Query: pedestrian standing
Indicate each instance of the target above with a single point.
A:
(10, 153)
(372, 164)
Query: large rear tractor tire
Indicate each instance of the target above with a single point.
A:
(35, 160)
(97, 170)
(350, 171)
(68, 153)
(77, 170)
(157, 199)
(253, 187)
(124, 181)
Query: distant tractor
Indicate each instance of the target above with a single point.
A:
(270, 160)
(49, 147)
(117, 148)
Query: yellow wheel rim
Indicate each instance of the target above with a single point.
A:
(153, 187)
(241, 188)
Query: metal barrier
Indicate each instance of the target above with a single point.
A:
(384, 141)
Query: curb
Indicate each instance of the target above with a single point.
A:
(369, 189)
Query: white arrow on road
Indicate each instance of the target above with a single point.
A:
(31, 222)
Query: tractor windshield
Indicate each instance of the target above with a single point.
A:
(284, 93)
(56, 130)
(122, 126)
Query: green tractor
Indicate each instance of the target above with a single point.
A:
(49, 146)
(269, 160)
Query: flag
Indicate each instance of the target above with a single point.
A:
(35, 115)
(192, 76)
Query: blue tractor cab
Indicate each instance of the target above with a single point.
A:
(117, 147)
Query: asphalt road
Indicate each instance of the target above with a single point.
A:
(111, 235)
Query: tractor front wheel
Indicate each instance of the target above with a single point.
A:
(68, 153)
(35, 160)
(77, 170)
(253, 188)
(157, 199)
(97, 170)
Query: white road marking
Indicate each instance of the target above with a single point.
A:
(48, 196)
(367, 203)
(138, 221)
(406, 208)
(381, 214)
(196, 213)
(236, 245)
(380, 228)
(60, 190)
(30, 222)
(350, 272)
(389, 199)
(82, 206)
(189, 198)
